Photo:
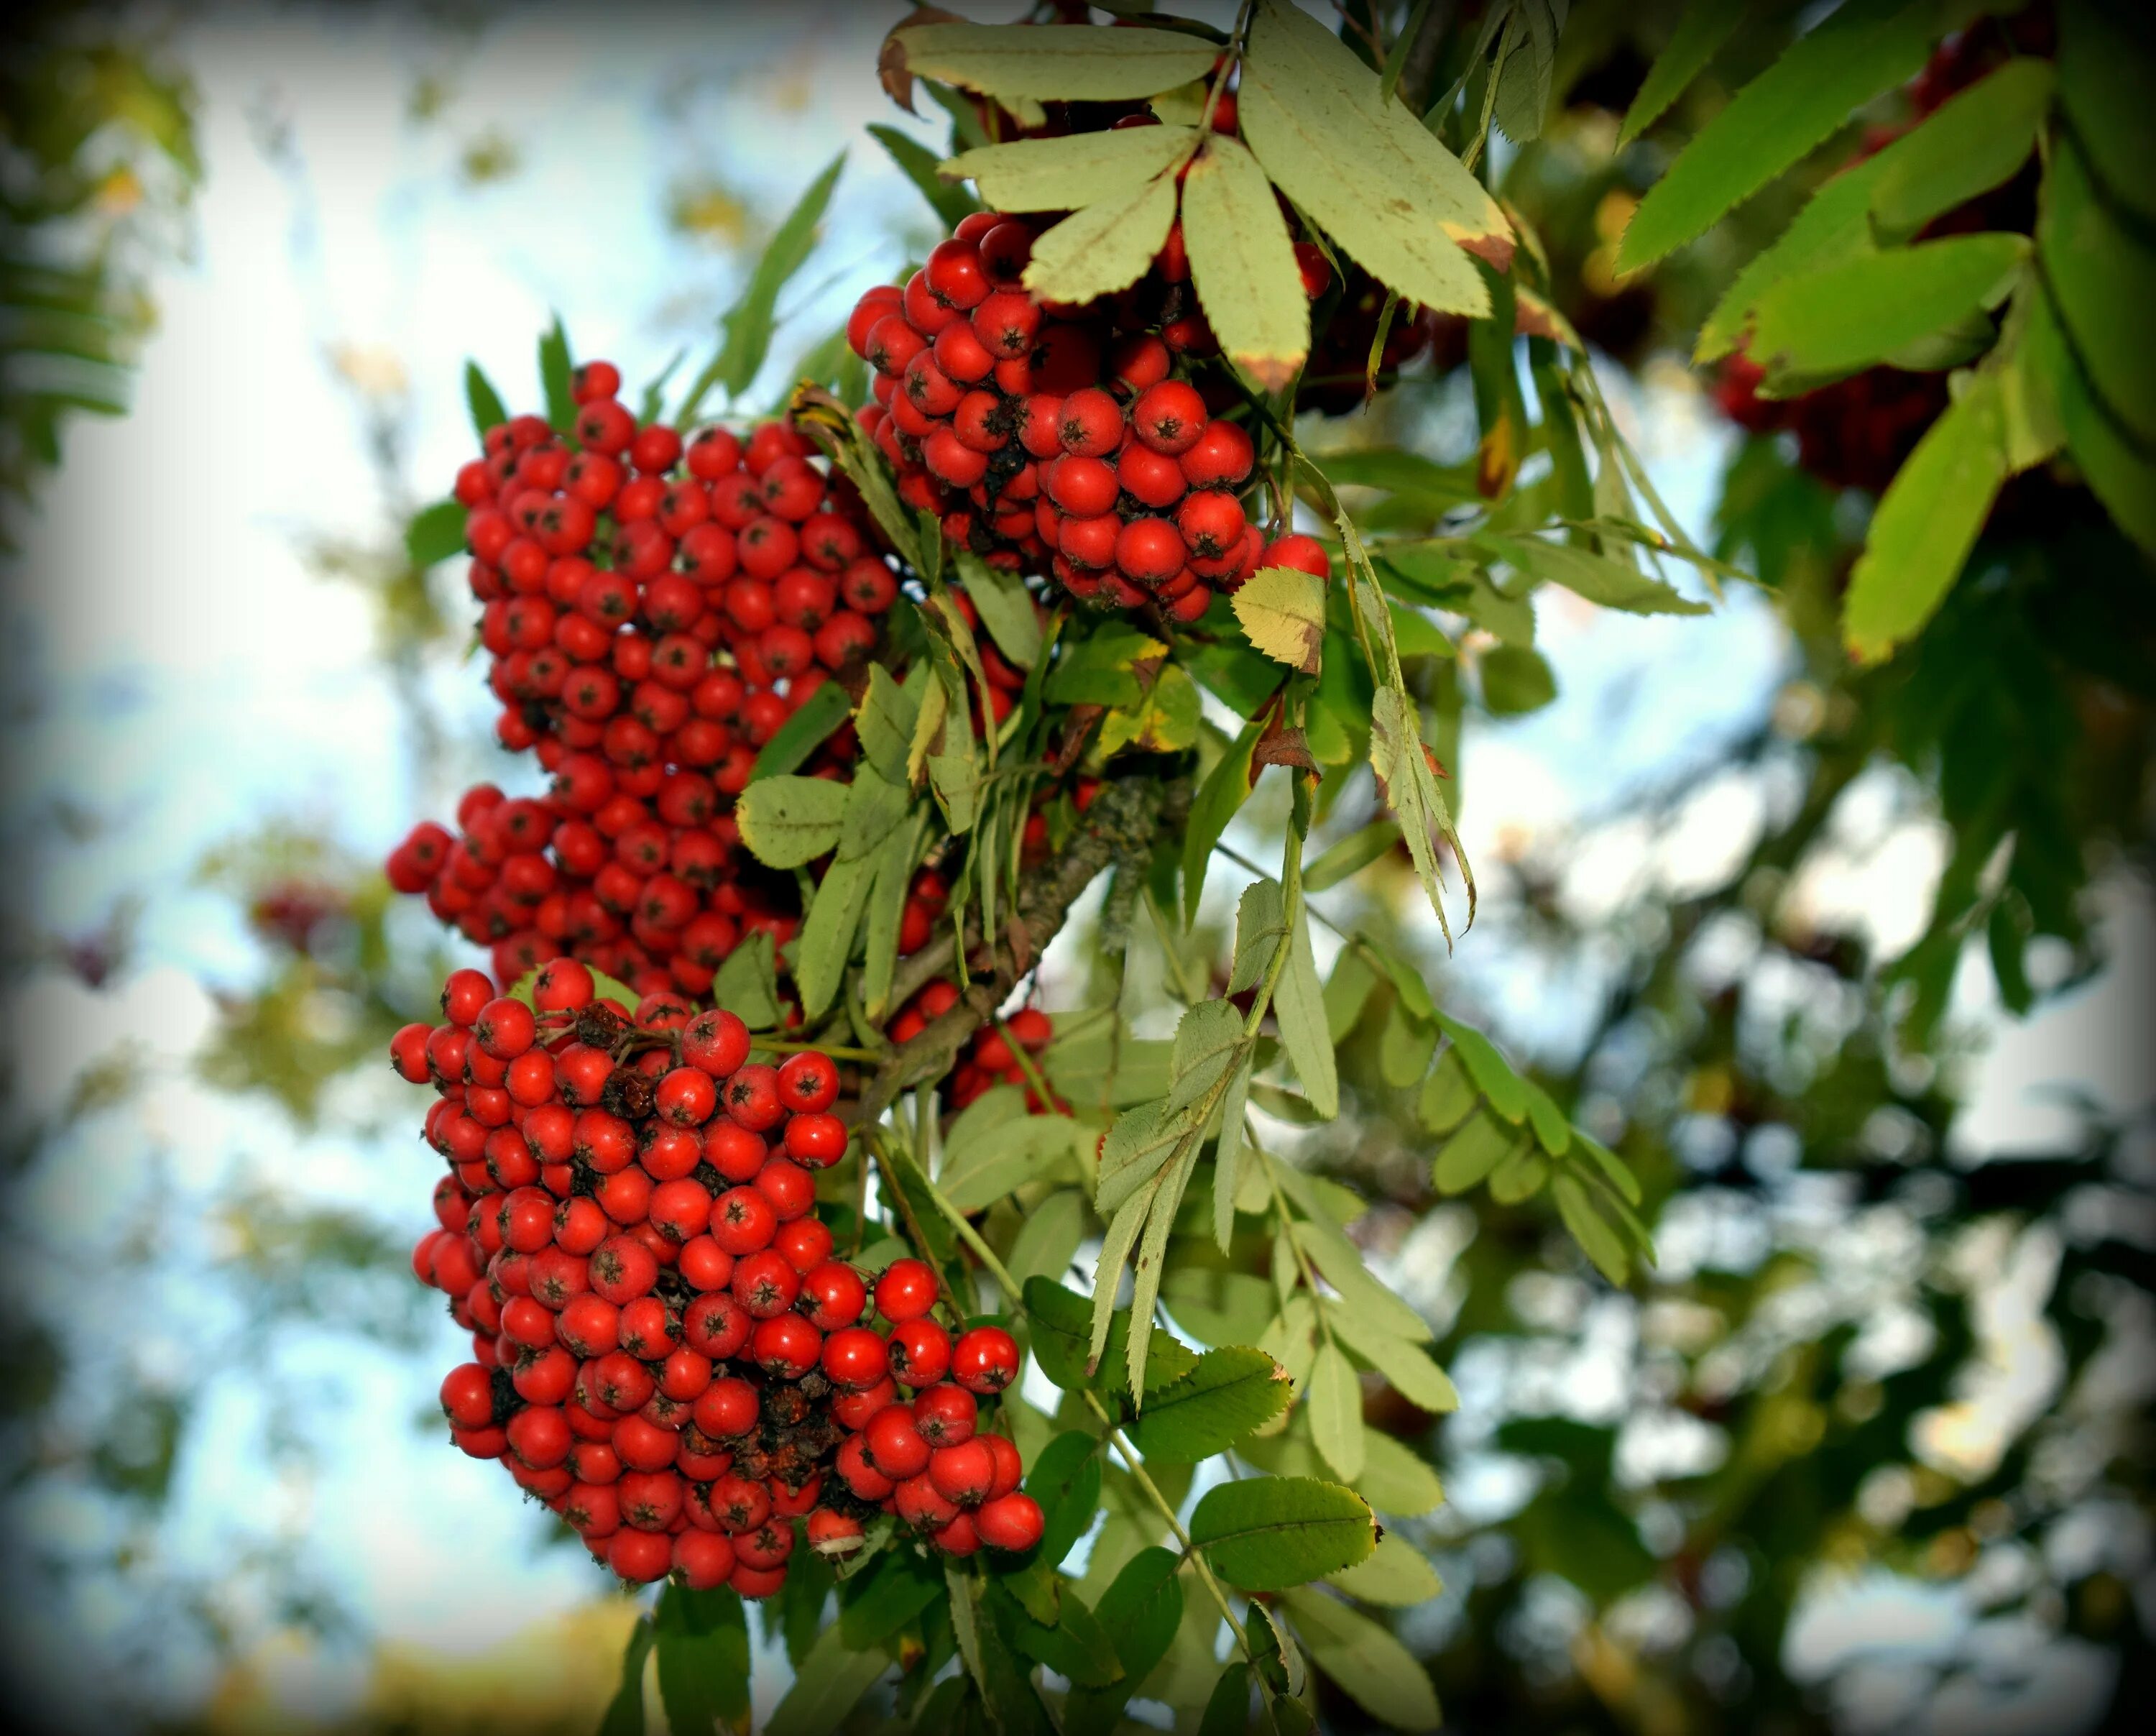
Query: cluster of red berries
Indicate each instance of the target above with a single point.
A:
(654, 612)
(990, 1058)
(1054, 439)
(665, 1349)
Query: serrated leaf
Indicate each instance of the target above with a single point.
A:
(1049, 1238)
(787, 821)
(1164, 722)
(702, 1641)
(885, 721)
(435, 533)
(1260, 927)
(1972, 142)
(1282, 610)
(1151, 1262)
(1102, 248)
(1269, 1532)
(1065, 1479)
(1409, 788)
(2100, 274)
(1405, 1047)
(1347, 990)
(1368, 1664)
(1299, 1007)
(1611, 584)
(1005, 606)
(2121, 477)
(1448, 1095)
(1228, 1156)
(1075, 64)
(1876, 305)
(1407, 1366)
(1209, 1041)
(1597, 1239)
(893, 883)
(1335, 1398)
(1140, 1610)
(1366, 170)
(747, 326)
(1025, 1148)
(1394, 1576)
(1865, 48)
(802, 732)
(1927, 523)
(1136, 1145)
(1702, 31)
(827, 934)
(557, 378)
(1079, 169)
(746, 984)
(875, 809)
(485, 402)
(918, 164)
(1243, 263)
(1230, 1393)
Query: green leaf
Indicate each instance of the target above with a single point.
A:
(1299, 1006)
(1005, 606)
(1228, 1156)
(2099, 274)
(874, 809)
(1049, 1238)
(1876, 306)
(747, 326)
(1407, 1366)
(1405, 1045)
(1230, 1393)
(1282, 610)
(1270, 1533)
(1209, 1042)
(1366, 170)
(1335, 1398)
(827, 934)
(1970, 144)
(918, 164)
(1152, 1263)
(898, 1587)
(1079, 169)
(1516, 680)
(1469, 1156)
(1065, 1482)
(487, 410)
(1597, 1240)
(1521, 1176)
(2121, 477)
(1105, 246)
(624, 1712)
(1371, 1666)
(1612, 583)
(1165, 722)
(1492, 1073)
(1350, 856)
(1409, 787)
(1448, 1095)
(558, 379)
(1138, 1144)
(1221, 1308)
(1061, 1343)
(746, 984)
(885, 720)
(1927, 523)
(1076, 63)
(1000, 1159)
(893, 865)
(1226, 787)
(1866, 47)
(1075, 1644)
(1244, 263)
(1140, 1609)
(827, 1686)
(803, 733)
(703, 1659)
(1395, 1575)
(787, 821)
(2103, 83)
(1699, 34)
(435, 533)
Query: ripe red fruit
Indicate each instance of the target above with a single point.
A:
(1169, 417)
(624, 1269)
(752, 1100)
(705, 1559)
(1149, 551)
(726, 1408)
(468, 1396)
(815, 1142)
(1010, 1522)
(1304, 554)
(854, 1358)
(1009, 1467)
(716, 1325)
(833, 1295)
(905, 1290)
(985, 1359)
(945, 1414)
(786, 1346)
(743, 1221)
(1211, 523)
(1084, 487)
(765, 1284)
(808, 1082)
(686, 1097)
(962, 1472)
(805, 1242)
(1090, 423)
(894, 1445)
(639, 1557)
(465, 996)
(920, 1352)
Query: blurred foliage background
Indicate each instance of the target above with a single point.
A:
(1869, 1450)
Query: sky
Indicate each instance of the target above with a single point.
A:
(195, 679)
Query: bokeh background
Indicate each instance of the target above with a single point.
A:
(1868, 1451)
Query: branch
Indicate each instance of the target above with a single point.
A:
(1125, 820)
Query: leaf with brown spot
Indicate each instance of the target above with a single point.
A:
(892, 71)
(1282, 610)
(1243, 264)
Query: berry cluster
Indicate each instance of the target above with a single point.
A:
(1060, 440)
(665, 1349)
(654, 612)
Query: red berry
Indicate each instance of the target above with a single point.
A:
(894, 1444)
(945, 1414)
(1169, 417)
(905, 1290)
(1010, 1522)
(962, 1472)
(920, 1352)
(985, 1359)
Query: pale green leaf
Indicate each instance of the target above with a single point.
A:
(787, 821)
(1282, 610)
(1079, 169)
(1227, 1157)
(827, 934)
(1875, 305)
(1597, 1239)
(1612, 583)
(1103, 247)
(1243, 263)
(1076, 63)
(747, 983)
(1335, 1398)
(1299, 1006)
(1367, 1663)
(1702, 31)
(1230, 1393)
(1396, 1576)
(1269, 1532)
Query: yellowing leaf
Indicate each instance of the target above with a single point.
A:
(1365, 169)
(1105, 247)
(1063, 174)
(1282, 610)
(1074, 63)
(1244, 263)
